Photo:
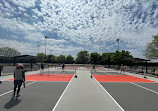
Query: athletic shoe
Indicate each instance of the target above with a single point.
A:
(13, 95)
(17, 95)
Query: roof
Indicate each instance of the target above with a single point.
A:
(136, 59)
(24, 56)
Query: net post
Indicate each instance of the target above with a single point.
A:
(75, 74)
(91, 74)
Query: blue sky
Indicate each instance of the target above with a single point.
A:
(75, 25)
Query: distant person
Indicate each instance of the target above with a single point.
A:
(19, 78)
(94, 67)
(122, 68)
(42, 68)
(0, 73)
(63, 66)
(0, 70)
(153, 71)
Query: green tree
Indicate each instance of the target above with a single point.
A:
(95, 58)
(118, 57)
(61, 59)
(69, 59)
(82, 57)
(51, 58)
(9, 52)
(41, 57)
(152, 48)
(106, 58)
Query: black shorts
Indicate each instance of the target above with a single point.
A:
(18, 82)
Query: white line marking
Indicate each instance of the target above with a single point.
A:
(51, 81)
(12, 90)
(144, 87)
(127, 82)
(62, 95)
(108, 73)
(110, 95)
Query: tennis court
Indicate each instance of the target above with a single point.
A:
(131, 93)
(56, 90)
(41, 93)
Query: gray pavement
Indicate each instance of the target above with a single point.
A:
(39, 96)
(86, 94)
(81, 94)
(8, 85)
(133, 98)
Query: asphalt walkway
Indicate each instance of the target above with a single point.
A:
(86, 94)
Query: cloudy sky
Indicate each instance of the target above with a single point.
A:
(75, 25)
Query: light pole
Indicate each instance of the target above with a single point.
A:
(38, 48)
(51, 51)
(118, 43)
(45, 45)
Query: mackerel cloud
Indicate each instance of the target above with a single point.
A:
(93, 25)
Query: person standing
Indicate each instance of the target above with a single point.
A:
(42, 68)
(19, 78)
(0, 70)
(0, 73)
(94, 68)
(63, 66)
(122, 68)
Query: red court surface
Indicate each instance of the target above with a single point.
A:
(119, 78)
(46, 77)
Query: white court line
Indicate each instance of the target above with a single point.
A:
(51, 81)
(108, 73)
(62, 95)
(60, 72)
(12, 90)
(110, 95)
(144, 87)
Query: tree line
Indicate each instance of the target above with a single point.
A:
(84, 57)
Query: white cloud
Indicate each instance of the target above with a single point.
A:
(15, 25)
(31, 49)
(34, 36)
(54, 41)
(24, 3)
(13, 36)
(22, 47)
(88, 24)
(21, 9)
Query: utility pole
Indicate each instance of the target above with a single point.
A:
(45, 45)
(38, 48)
(118, 44)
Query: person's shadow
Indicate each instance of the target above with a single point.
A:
(13, 102)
